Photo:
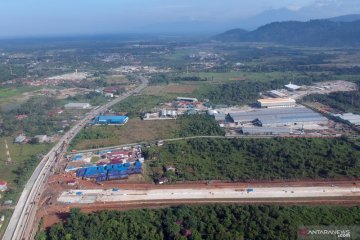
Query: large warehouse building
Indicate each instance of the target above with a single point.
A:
(276, 102)
(114, 120)
(271, 117)
(77, 106)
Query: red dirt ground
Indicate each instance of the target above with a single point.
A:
(54, 212)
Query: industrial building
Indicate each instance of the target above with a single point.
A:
(186, 99)
(272, 117)
(77, 106)
(276, 102)
(276, 94)
(350, 117)
(292, 87)
(168, 113)
(113, 120)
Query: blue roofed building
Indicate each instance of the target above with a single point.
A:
(115, 120)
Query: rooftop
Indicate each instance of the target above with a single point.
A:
(276, 100)
(275, 115)
(77, 105)
(292, 86)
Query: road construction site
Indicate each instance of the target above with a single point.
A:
(124, 195)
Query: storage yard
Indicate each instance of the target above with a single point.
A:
(105, 165)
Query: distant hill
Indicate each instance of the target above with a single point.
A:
(346, 18)
(311, 33)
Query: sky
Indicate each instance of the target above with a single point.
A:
(76, 17)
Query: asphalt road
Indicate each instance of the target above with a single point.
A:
(21, 222)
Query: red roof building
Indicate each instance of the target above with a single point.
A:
(21, 116)
(3, 185)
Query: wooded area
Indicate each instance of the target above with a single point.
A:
(343, 101)
(198, 125)
(245, 159)
(212, 222)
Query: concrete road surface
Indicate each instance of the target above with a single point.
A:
(122, 195)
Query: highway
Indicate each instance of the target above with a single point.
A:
(21, 225)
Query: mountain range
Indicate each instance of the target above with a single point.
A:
(329, 32)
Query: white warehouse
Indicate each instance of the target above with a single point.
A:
(276, 102)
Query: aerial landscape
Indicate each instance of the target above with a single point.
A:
(180, 120)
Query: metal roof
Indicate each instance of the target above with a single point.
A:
(111, 119)
(277, 93)
(283, 115)
(77, 105)
(276, 100)
(292, 86)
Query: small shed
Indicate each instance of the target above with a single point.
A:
(163, 180)
(3, 186)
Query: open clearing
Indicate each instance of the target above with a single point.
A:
(135, 130)
(20, 154)
(117, 79)
(171, 88)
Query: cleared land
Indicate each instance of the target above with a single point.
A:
(117, 79)
(13, 95)
(135, 130)
(171, 88)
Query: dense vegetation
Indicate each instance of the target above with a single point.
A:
(343, 101)
(211, 222)
(198, 125)
(243, 159)
(311, 33)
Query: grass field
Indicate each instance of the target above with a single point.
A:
(10, 94)
(170, 89)
(135, 105)
(20, 155)
(239, 76)
(117, 79)
(135, 130)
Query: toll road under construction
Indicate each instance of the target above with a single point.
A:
(196, 194)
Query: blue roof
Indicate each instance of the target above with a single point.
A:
(111, 119)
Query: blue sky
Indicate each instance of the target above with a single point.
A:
(69, 17)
